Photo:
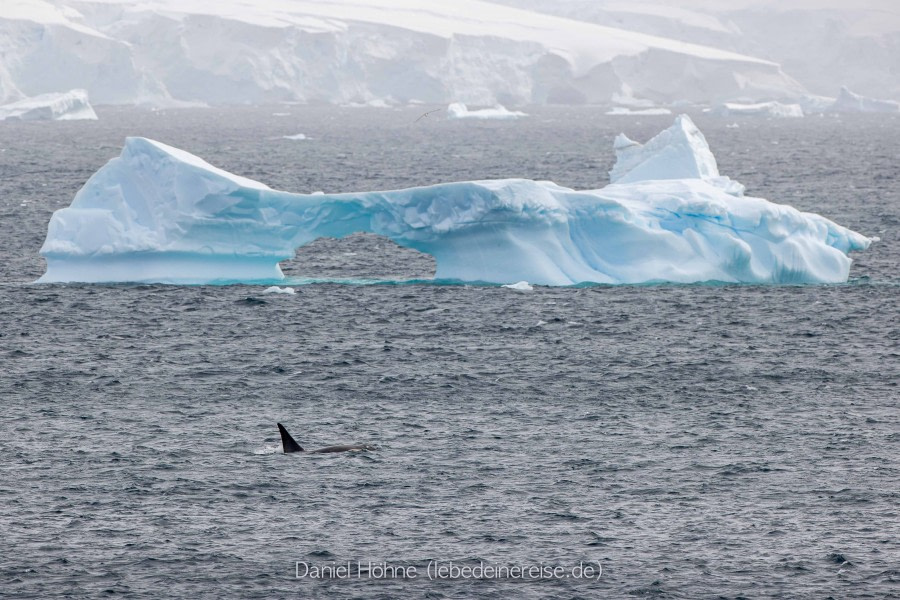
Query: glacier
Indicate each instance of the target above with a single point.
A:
(818, 42)
(160, 214)
(66, 106)
(354, 52)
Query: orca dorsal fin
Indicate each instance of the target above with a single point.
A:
(287, 442)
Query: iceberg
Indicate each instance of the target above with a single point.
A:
(159, 214)
(847, 101)
(68, 106)
(458, 110)
(759, 109)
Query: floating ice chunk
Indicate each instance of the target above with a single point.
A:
(628, 112)
(278, 290)
(522, 286)
(458, 110)
(68, 106)
(159, 214)
(759, 109)
(847, 101)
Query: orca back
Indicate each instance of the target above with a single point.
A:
(345, 448)
(287, 442)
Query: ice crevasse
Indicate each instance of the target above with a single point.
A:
(160, 214)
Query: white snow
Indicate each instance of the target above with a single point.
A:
(158, 214)
(758, 109)
(274, 289)
(68, 106)
(354, 52)
(847, 101)
(521, 286)
(458, 110)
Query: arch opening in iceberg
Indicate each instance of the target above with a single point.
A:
(159, 214)
(358, 256)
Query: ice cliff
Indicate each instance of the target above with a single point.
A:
(354, 51)
(159, 214)
(818, 42)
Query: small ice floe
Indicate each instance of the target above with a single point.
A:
(277, 290)
(458, 110)
(522, 286)
(759, 109)
(296, 136)
(624, 111)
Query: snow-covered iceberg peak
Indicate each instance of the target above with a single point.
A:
(159, 214)
(679, 152)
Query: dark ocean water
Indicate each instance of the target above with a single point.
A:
(694, 441)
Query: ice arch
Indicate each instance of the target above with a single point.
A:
(358, 256)
(159, 214)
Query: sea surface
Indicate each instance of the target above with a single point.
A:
(680, 441)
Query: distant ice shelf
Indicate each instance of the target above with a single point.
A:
(159, 214)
